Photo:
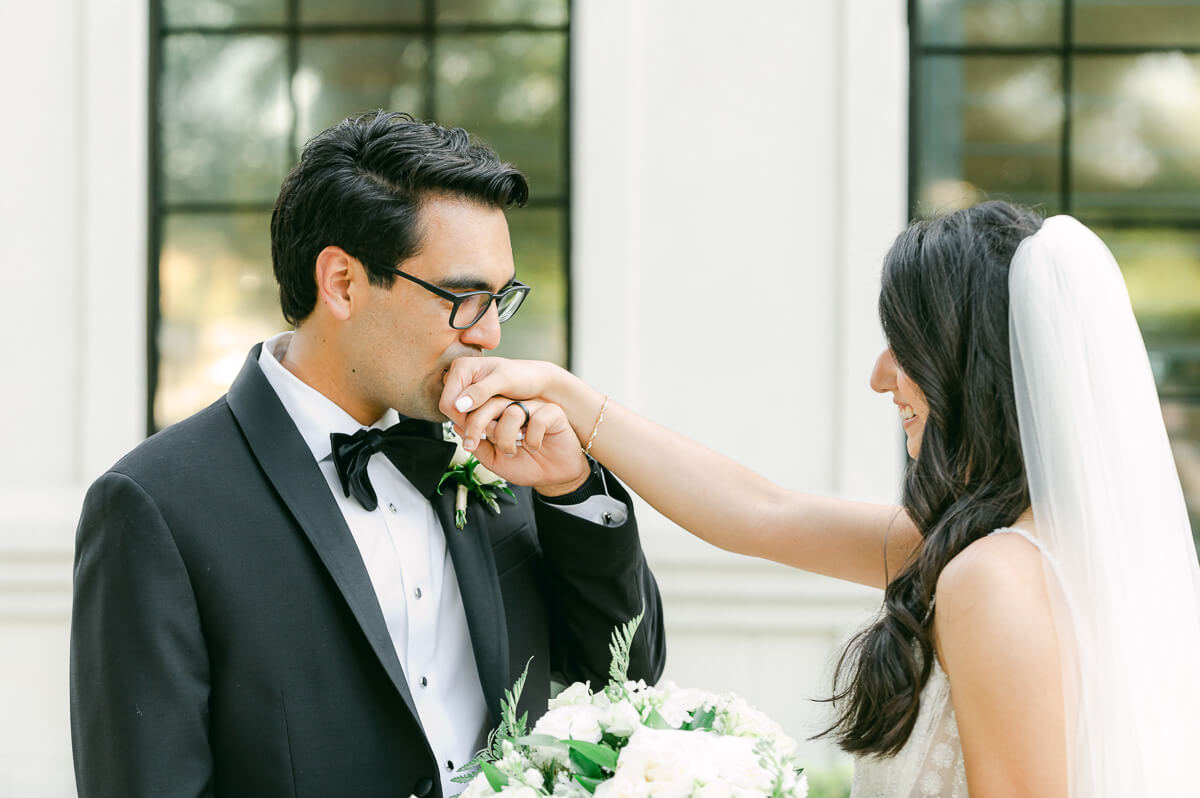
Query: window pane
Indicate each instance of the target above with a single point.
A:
(225, 118)
(1135, 146)
(1137, 23)
(341, 75)
(541, 12)
(970, 22)
(222, 13)
(360, 11)
(218, 298)
(539, 330)
(1162, 270)
(988, 125)
(508, 90)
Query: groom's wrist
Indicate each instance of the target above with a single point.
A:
(575, 491)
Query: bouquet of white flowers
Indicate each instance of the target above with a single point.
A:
(631, 740)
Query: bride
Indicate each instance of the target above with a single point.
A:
(1040, 633)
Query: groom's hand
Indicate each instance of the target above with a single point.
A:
(543, 452)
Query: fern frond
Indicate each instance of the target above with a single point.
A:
(511, 726)
(620, 647)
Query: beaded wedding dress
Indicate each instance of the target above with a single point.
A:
(931, 763)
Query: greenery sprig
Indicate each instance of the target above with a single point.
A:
(469, 484)
(511, 729)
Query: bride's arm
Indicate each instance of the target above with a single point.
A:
(998, 645)
(707, 494)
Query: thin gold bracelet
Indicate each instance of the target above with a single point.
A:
(588, 449)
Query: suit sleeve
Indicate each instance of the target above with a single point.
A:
(139, 667)
(598, 580)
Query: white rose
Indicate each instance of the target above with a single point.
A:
(478, 788)
(652, 764)
(461, 455)
(486, 475)
(574, 721)
(577, 693)
(716, 789)
(620, 719)
(518, 791)
(674, 704)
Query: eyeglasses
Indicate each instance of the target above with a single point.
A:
(468, 308)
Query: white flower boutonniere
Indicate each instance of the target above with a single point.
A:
(471, 477)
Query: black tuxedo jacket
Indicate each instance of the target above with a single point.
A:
(226, 639)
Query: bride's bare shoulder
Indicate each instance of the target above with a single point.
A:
(999, 561)
(994, 588)
(997, 642)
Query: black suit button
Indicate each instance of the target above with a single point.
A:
(423, 788)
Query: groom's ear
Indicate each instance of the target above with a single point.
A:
(337, 274)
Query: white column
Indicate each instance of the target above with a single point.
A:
(73, 213)
(739, 172)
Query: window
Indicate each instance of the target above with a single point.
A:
(1087, 107)
(238, 86)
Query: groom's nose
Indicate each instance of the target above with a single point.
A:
(883, 375)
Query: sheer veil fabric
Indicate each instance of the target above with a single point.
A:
(1109, 511)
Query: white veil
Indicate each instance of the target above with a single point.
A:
(1109, 510)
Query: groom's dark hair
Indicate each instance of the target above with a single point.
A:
(360, 185)
(943, 303)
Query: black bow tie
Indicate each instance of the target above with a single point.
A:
(412, 446)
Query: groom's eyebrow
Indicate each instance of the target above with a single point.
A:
(469, 282)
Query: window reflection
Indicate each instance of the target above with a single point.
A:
(242, 84)
(217, 298)
(989, 124)
(994, 118)
(1136, 150)
(226, 118)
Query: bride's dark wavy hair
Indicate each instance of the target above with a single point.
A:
(944, 308)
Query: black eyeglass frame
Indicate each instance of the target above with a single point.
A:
(456, 300)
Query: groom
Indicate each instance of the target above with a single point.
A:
(266, 605)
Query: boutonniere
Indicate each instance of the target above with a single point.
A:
(471, 478)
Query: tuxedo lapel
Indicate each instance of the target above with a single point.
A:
(471, 551)
(289, 465)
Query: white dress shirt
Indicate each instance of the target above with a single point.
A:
(404, 549)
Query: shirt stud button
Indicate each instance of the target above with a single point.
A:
(424, 681)
(417, 592)
(449, 766)
(391, 507)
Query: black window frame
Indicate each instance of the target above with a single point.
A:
(429, 30)
(1067, 51)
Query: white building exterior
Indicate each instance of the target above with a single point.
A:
(738, 173)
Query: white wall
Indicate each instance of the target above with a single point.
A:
(746, 161)
(739, 173)
(72, 127)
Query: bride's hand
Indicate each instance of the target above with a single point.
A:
(471, 382)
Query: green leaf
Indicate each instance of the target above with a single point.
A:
(588, 784)
(541, 741)
(656, 721)
(702, 720)
(493, 775)
(586, 766)
(601, 755)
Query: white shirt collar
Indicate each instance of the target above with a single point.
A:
(313, 413)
